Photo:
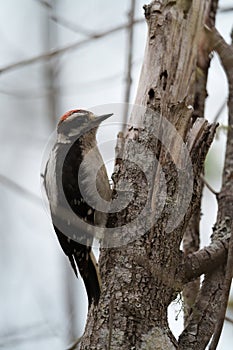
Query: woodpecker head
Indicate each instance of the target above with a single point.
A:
(78, 121)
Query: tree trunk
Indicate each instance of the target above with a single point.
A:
(158, 166)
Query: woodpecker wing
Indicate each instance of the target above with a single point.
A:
(78, 250)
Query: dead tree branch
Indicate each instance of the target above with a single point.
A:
(191, 239)
(205, 260)
(210, 305)
(67, 48)
(225, 52)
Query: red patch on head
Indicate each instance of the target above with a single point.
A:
(69, 113)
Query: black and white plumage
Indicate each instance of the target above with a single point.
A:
(70, 181)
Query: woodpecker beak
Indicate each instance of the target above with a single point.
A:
(99, 119)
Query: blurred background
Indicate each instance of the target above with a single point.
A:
(55, 56)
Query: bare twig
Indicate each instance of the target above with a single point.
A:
(63, 21)
(219, 112)
(62, 89)
(226, 9)
(67, 48)
(5, 181)
(228, 319)
(71, 26)
(74, 344)
(208, 185)
(129, 59)
(45, 3)
(50, 69)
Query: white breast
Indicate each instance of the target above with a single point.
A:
(51, 181)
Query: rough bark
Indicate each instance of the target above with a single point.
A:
(140, 279)
(141, 265)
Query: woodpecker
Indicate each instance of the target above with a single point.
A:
(74, 169)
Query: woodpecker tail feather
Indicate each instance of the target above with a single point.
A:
(82, 257)
(89, 272)
(73, 265)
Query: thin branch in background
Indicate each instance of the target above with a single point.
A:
(219, 112)
(228, 319)
(210, 188)
(63, 21)
(50, 68)
(128, 77)
(12, 185)
(226, 9)
(71, 26)
(73, 346)
(63, 90)
(17, 93)
(45, 4)
(67, 48)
